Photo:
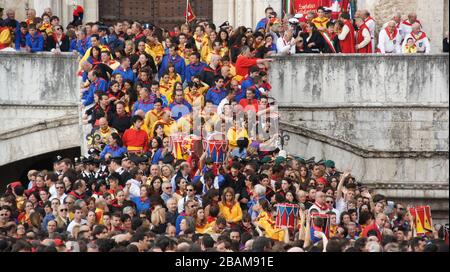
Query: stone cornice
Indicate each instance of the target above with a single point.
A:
(408, 186)
(44, 125)
(31, 105)
(358, 150)
(18, 54)
(364, 106)
(442, 56)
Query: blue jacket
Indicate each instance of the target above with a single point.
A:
(158, 156)
(114, 151)
(141, 206)
(180, 109)
(178, 222)
(193, 70)
(215, 95)
(36, 42)
(20, 41)
(88, 96)
(178, 62)
(126, 74)
(262, 23)
(82, 46)
(145, 106)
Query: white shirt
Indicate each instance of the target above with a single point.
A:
(386, 45)
(345, 31)
(284, 47)
(222, 104)
(61, 199)
(186, 198)
(135, 188)
(52, 190)
(73, 224)
(367, 38)
(406, 27)
(422, 43)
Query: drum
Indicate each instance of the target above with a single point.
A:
(192, 144)
(216, 147)
(176, 144)
(287, 215)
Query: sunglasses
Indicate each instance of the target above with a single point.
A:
(3, 214)
(169, 187)
(59, 188)
(63, 210)
(330, 201)
(69, 202)
(190, 190)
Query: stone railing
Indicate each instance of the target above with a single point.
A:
(39, 104)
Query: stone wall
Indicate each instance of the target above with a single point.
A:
(384, 117)
(39, 101)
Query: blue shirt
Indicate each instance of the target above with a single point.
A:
(262, 23)
(193, 70)
(126, 74)
(36, 42)
(99, 85)
(178, 222)
(215, 95)
(20, 41)
(140, 206)
(145, 106)
(114, 151)
(180, 109)
(177, 61)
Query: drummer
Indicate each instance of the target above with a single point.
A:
(265, 221)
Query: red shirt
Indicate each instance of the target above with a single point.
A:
(243, 64)
(135, 138)
(247, 105)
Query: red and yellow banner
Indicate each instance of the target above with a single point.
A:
(422, 219)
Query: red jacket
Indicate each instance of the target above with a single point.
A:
(370, 227)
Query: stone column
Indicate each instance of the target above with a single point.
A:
(91, 13)
(221, 11)
(40, 5)
(244, 13)
(432, 18)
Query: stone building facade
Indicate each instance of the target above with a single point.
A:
(433, 13)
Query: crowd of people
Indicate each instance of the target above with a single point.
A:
(150, 97)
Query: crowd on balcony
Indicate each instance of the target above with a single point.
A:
(183, 150)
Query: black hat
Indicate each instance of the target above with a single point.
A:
(148, 26)
(137, 159)
(225, 24)
(93, 151)
(79, 160)
(57, 159)
(321, 162)
(311, 160)
(168, 159)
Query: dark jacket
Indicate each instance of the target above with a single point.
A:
(64, 45)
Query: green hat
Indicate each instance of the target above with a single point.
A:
(330, 164)
(300, 159)
(266, 159)
(280, 160)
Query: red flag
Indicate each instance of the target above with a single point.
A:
(189, 13)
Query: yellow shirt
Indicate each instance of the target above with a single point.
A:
(265, 221)
(166, 89)
(158, 51)
(231, 215)
(233, 136)
(320, 22)
(150, 118)
(201, 42)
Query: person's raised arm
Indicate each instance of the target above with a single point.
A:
(341, 185)
(307, 241)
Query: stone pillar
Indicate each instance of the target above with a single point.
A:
(91, 13)
(221, 11)
(41, 5)
(244, 13)
(432, 18)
